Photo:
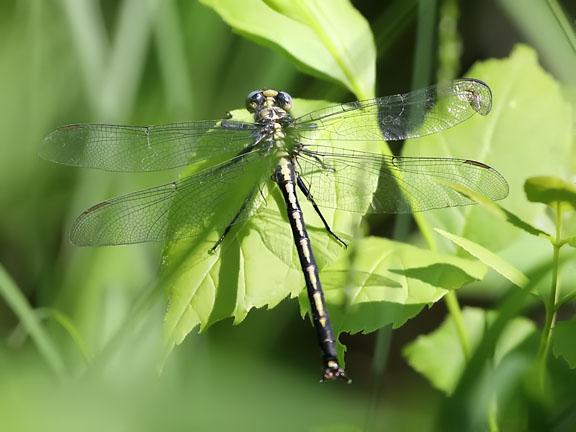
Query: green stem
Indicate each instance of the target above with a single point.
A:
(88, 33)
(172, 54)
(391, 25)
(493, 417)
(564, 23)
(550, 305)
(425, 50)
(20, 333)
(137, 314)
(379, 362)
(67, 324)
(456, 314)
(19, 305)
(448, 40)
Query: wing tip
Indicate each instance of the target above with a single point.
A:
(502, 190)
(477, 93)
(52, 147)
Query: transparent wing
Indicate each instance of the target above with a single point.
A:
(145, 148)
(418, 113)
(366, 182)
(188, 208)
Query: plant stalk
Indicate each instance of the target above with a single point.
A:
(564, 23)
(550, 305)
(493, 416)
(456, 314)
(13, 296)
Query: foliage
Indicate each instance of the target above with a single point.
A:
(94, 317)
(310, 33)
(439, 356)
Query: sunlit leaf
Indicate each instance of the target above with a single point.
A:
(563, 341)
(523, 94)
(439, 356)
(330, 39)
(390, 282)
(551, 191)
(256, 266)
(499, 211)
(489, 258)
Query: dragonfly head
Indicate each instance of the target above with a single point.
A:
(268, 104)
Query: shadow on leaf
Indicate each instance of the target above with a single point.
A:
(441, 275)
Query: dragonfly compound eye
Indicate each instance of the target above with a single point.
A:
(284, 100)
(253, 100)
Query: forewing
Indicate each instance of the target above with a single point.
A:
(188, 208)
(347, 180)
(418, 113)
(146, 148)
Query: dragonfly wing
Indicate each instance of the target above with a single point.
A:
(145, 148)
(418, 113)
(188, 208)
(370, 183)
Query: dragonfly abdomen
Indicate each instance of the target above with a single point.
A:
(285, 177)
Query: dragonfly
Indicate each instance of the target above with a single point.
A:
(308, 156)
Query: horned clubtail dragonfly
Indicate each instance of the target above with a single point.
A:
(313, 154)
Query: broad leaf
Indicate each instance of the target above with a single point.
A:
(499, 211)
(489, 258)
(563, 341)
(439, 357)
(551, 191)
(523, 94)
(329, 39)
(389, 282)
(257, 264)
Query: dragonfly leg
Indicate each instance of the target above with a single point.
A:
(310, 198)
(317, 159)
(229, 226)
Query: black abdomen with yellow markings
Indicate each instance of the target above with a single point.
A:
(285, 177)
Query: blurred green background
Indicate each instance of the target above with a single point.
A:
(155, 61)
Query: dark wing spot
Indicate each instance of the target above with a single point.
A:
(476, 163)
(72, 126)
(95, 207)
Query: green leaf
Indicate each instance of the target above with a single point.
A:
(563, 341)
(438, 356)
(330, 39)
(389, 283)
(257, 265)
(499, 211)
(13, 297)
(568, 227)
(551, 191)
(489, 258)
(523, 94)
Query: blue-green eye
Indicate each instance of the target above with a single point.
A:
(284, 100)
(254, 99)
